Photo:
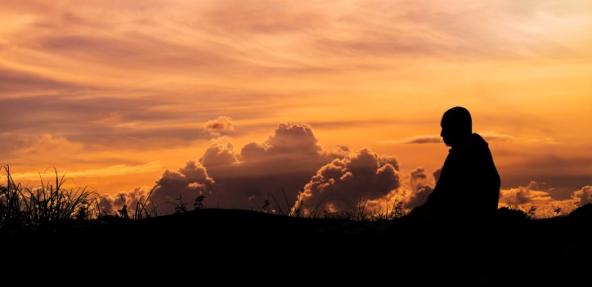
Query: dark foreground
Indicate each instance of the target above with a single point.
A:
(245, 248)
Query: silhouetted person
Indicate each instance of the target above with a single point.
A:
(469, 184)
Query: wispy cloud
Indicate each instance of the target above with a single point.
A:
(108, 171)
(431, 139)
(427, 139)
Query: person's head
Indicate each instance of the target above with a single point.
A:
(457, 126)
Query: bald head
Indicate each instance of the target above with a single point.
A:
(457, 126)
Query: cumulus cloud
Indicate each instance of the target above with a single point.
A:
(112, 205)
(583, 196)
(342, 184)
(181, 187)
(421, 186)
(174, 189)
(274, 170)
(219, 154)
(533, 199)
(437, 174)
(540, 203)
(292, 165)
(413, 191)
(220, 126)
(333, 190)
(527, 194)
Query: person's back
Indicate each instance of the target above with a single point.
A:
(468, 185)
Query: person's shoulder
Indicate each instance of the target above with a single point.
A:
(478, 141)
(477, 137)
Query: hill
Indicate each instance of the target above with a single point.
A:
(247, 247)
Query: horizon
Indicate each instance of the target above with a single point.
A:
(115, 93)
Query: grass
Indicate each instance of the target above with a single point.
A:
(29, 208)
(23, 208)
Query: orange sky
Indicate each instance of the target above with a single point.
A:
(115, 92)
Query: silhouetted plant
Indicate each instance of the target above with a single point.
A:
(298, 210)
(199, 202)
(82, 213)
(266, 204)
(123, 213)
(144, 207)
(28, 208)
(11, 215)
(180, 206)
(277, 207)
(399, 210)
(532, 212)
(394, 212)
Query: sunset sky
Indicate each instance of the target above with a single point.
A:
(113, 93)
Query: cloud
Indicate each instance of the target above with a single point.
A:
(421, 187)
(231, 37)
(430, 139)
(264, 17)
(533, 199)
(291, 166)
(111, 205)
(181, 187)
(107, 122)
(14, 82)
(173, 190)
(437, 174)
(94, 173)
(537, 202)
(46, 144)
(564, 170)
(276, 169)
(220, 126)
(494, 136)
(442, 31)
(134, 50)
(413, 191)
(527, 194)
(43, 149)
(583, 196)
(219, 154)
(345, 183)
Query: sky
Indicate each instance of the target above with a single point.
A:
(114, 93)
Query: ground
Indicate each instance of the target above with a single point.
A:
(246, 247)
